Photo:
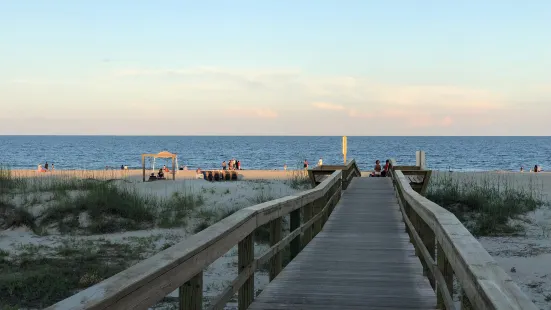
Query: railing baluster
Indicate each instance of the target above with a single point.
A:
(318, 207)
(465, 302)
(308, 213)
(429, 241)
(275, 237)
(447, 271)
(191, 293)
(245, 257)
(293, 225)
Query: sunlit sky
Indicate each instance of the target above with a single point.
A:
(275, 67)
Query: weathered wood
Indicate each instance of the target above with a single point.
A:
(485, 283)
(447, 272)
(149, 281)
(465, 303)
(307, 211)
(318, 206)
(191, 293)
(429, 242)
(275, 237)
(245, 257)
(293, 225)
(360, 260)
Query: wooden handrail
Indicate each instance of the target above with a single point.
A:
(446, 248)
(181, 266)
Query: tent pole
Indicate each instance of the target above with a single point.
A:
(173, 169)
(143, 167)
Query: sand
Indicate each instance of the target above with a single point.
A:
(526, 258)
(218, 196)
(137, 174)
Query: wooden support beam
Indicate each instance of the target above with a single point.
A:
(275, 237)
(245, 252)
(191, 293)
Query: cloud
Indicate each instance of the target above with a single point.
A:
(327, 106)
(253, 112)
(353, 113)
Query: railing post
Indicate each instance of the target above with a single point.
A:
(294, 225)
(275, 237)
(447, 271)
(245, 251)
(307, 214)
(465, 302)
(318, 206)
(191, 293)
(429, 241)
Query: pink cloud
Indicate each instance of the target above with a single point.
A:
(327, 106)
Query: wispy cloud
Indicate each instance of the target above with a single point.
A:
(253, 112)
(328, 106)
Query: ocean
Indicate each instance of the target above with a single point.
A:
(264, 152)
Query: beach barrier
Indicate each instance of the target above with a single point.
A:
(220, 175)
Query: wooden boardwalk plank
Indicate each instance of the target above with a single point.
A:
(362, 259)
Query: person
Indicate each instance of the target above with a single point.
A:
(320, 162)
(521, 169)
(161, 174)
(46, 166)
(305, 164)
(285, 167)
(238, 164)
(377, 171)
(536, 168)
(384, 173)
(224, 165)
(52, 166)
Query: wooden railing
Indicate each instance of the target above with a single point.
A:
(349, 171)
(447, 249)
(181, 266)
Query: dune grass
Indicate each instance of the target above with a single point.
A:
(40, 275)
(88, 206)
(487, 205)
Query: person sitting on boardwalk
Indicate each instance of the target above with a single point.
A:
(377, 171)
(384, 173)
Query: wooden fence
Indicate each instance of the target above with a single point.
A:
(181, 266)
(446, 248)
(349, 171)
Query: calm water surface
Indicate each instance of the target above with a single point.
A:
(96, 152)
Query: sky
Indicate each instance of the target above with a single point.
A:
(275, 67)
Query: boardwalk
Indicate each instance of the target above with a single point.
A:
(362, 259)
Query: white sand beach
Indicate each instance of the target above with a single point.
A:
(525, 257)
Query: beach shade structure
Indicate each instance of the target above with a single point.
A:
(163, 154)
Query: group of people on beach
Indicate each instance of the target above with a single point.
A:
(536, 169)
(232, 164)
(45, 168)
(381, 171)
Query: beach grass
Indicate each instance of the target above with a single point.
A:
(486, 205)
(40, 275)
(299, 180)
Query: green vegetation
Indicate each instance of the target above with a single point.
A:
(38, 275)
(299, 180)
(485, 206)
(88, 206)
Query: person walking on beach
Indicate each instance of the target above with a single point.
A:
(320, 162)
(46, 166)
(238, 165)
(224, 165)
(285, 167)
(305, 164)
